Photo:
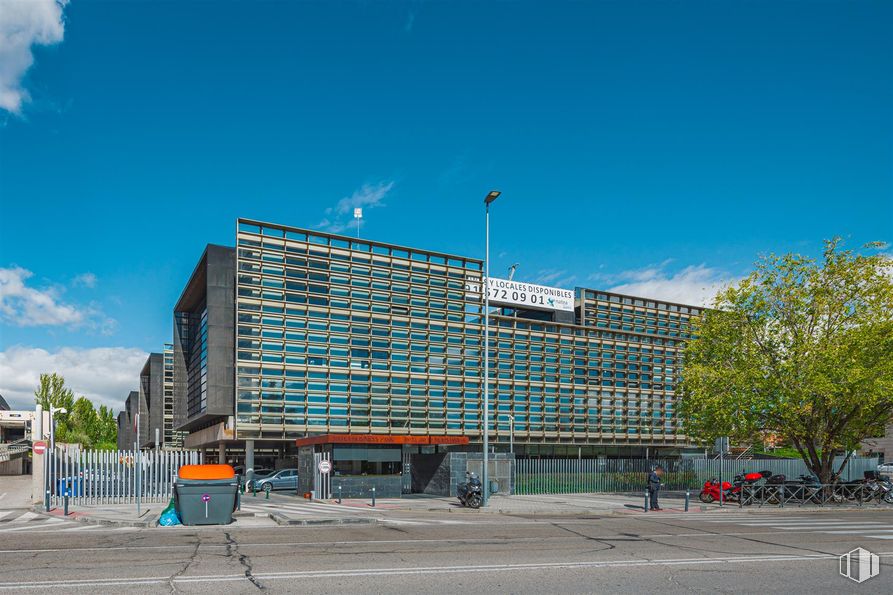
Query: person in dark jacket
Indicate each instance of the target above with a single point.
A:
(654, 486)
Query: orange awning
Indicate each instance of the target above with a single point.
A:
(380, 439)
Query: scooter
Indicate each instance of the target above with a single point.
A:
(730, 491)
(471, 492)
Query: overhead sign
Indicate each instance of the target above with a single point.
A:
(324, 466)
(527, 295)
(39, 447)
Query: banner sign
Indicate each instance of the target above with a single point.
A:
(527, 295)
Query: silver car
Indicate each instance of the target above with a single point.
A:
(284, 479)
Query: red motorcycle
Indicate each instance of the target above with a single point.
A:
(730, 491)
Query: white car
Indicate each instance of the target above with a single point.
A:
(885, 468)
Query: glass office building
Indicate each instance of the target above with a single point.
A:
(335, 335)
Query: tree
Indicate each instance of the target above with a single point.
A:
(81, 423)
(83, 417)
(798, 348)
(53, 393)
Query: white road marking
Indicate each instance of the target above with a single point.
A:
(6, 513)
(361, 572)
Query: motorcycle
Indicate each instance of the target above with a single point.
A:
(730, 490)
(876, 487)
(470, 493)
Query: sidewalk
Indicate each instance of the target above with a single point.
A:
(554, 505)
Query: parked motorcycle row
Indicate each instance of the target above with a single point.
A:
(764, 486)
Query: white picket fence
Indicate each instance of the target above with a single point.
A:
(114, 476)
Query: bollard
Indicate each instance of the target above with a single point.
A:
(373, 496)
(687, 498)
(46, 501)
(781, 497)
(339, 494)
(254, 489)
(646, 500)
(267, 492)
(65, 504)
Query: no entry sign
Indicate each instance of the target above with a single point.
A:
(39, 447)
(324, 467)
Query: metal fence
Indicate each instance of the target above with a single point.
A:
(114, 476)
(570, 476)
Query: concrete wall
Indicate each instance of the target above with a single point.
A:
(882, 446)
(14, 467)
(211, 286)
(152, 393)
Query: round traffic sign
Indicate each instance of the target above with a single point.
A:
(324, 466)
(39, 447)
(206, 497)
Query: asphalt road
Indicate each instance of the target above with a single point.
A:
(760, 551)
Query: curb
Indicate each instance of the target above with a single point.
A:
(286, 521)
(151, 520)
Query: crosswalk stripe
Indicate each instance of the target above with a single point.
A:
(842, 532)
(6, 513)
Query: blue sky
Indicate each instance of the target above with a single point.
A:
(653, 146)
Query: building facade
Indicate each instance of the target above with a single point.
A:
(297, 334)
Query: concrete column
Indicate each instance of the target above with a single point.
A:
(221, 453)
(37, 461)
(249, 460)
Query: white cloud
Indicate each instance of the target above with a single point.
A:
(555, 278)
(695, 285)
(24, 23)
(21, 305)
(104, 375)
(85, 280)
(340, 217)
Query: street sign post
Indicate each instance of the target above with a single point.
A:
(324, 466)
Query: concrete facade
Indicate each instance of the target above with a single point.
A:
(152, 393)
(204, 343)
(880, 446)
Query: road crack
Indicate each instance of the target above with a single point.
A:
(192, 557)
(232, 550)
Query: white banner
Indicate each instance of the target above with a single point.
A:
(527, 295)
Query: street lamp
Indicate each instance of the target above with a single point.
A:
(493, 195)
(53, 412)
(512, 434)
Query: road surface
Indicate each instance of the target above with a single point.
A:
(736, 552)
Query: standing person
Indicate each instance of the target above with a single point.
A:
(654, 486)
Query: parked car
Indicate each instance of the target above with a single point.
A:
(885, 467)
(284, 479)
(259, 473)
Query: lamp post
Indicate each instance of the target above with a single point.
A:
(491, 196)
(512, 434)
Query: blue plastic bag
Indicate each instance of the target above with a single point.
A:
(169, 518)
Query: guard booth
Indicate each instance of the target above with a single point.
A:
(358, 463)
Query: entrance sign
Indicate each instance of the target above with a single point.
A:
(324, 466)
(526, 295)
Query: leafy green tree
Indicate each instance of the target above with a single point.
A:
(801, 349)
(53, 393)
(82, 423)
(83, 418)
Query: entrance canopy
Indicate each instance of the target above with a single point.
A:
(380, 439)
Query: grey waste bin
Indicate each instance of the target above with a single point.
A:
(206, 494)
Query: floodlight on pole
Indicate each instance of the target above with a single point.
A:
(493, 195)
